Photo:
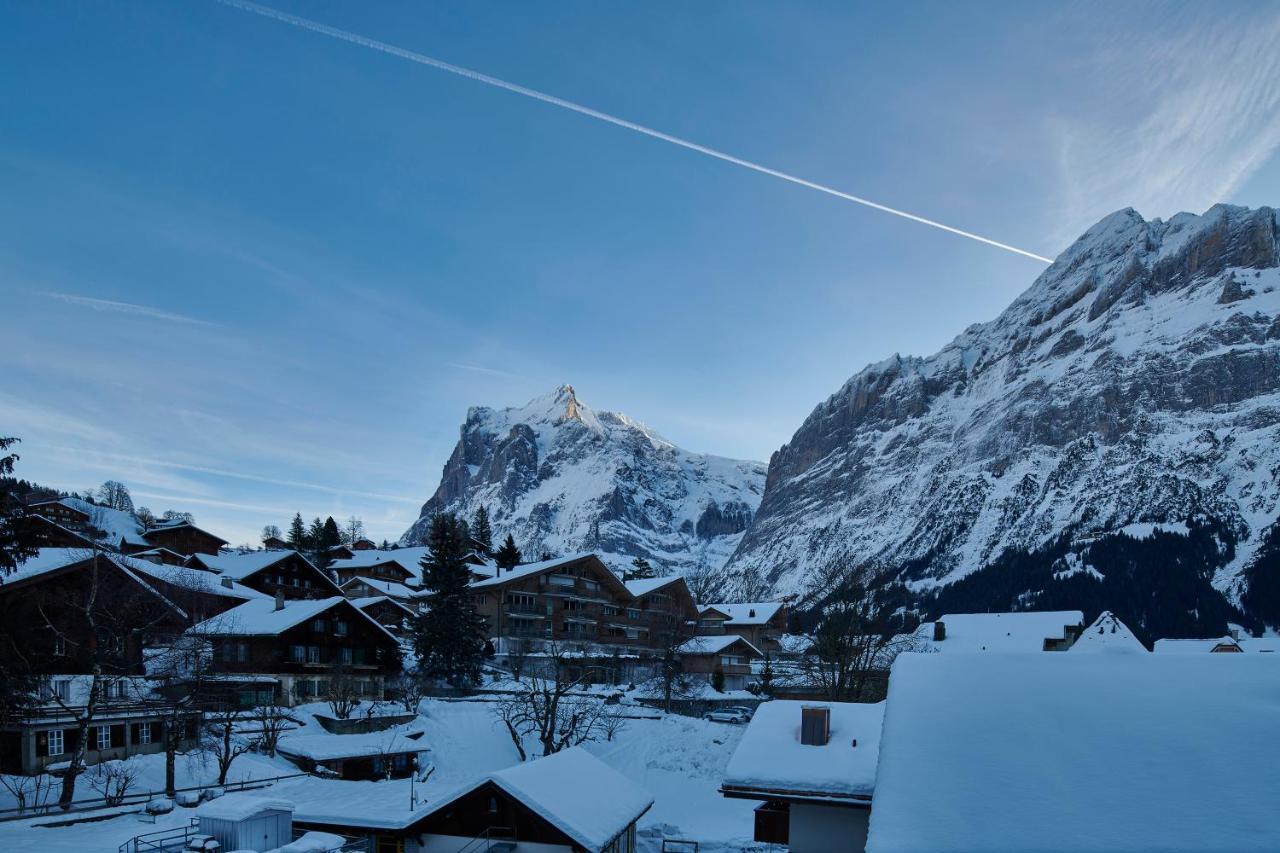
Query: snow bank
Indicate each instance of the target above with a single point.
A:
(999, 632)
(1107, 634)
(770, 755)
(1079, 752)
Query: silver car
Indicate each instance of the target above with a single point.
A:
(726, 715)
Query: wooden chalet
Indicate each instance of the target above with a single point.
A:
(666, 604)
(275, 543)
(304, 644)
(399, 564)
(391, 753)
(59, 511)
(388, 612)
(52, 534)
(762, 623)
(184, 538)
(270, 572)
(729, 654)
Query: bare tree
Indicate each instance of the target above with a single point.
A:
(28, 791)
(113, 779)
(669, 669)
(861, 630)
(275, 720)
(114, 494)
(613, 721)
(271, 531)
(550, 707)
(352, 530)
(344, 695)
(222, 741)
(517, 653)
(409, 691)
(704, 582)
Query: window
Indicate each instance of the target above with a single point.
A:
(306, 584)
(298, 654)
(59, 645)
(115, 689)
(730, 660)
(318, 626)
(62, 689)
(340, 628)
(102, 737)
(610, 610)
(481, 599)
(346, 654)
(313, 654)
(633, 613)
(55, 742)
(144, 733)
(358, 657)
(521, 602)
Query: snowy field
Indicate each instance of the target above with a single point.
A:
(680, 760)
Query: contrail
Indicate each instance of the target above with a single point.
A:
(422, 59)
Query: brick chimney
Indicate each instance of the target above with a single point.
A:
(815, 725)
(939, 632)
(279, 600)
(228, 583)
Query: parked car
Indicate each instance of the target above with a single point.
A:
(726, 715)
(741, 709)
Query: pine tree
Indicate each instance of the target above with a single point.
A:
(508, 556)
(449, 637)
(297, 533)
(16, 541)
(766, 676)
(717, 679)
(332, 536)
(481, 532)
(641, 569)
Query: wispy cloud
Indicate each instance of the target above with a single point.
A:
(488, 371)
(126, 308)
(1192, 110)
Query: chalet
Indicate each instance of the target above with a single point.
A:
(275, 543)
(364, 587)
(813, 767)
(160, 555)
(1015, 752)
(568, 801)
(575, 599)
(1234, 643)
(286, 572)
(62, 511)
(86, 613)
(51, 534)
(183, 537)
(1029, 631)
(762, 624)
(729, 654)
(107, 527)
(339, 552)
(388, 612)
(389, 754)
(666, 604)
(363, 544)
(304, 644)
(399, 565)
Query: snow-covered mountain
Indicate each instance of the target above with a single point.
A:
(1133, 389)
(562, 477)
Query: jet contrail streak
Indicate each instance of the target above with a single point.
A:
(422, 59)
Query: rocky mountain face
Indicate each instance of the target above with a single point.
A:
(1111, 436)
(562, 477)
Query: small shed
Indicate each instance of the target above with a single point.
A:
(247, 822)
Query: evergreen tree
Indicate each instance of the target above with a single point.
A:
(297, 533)
(508, 556)
(717, 679)
(449, 637)
(16, 541)
(481, 532)
(331, 536)
(766, 676)
(640, 570)
(315, 537)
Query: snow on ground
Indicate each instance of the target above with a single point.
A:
(679, 760)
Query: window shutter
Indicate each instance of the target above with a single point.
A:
(42, 744)
(71, 740)
(135, 734)
(117, 735)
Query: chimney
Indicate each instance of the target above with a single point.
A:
(228, 583)
(815, 725)
(939, 632)
(751, 614)
(279, 600)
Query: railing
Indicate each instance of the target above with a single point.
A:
(140, 798)
(174, 838)
(493, 838)
(679, 845)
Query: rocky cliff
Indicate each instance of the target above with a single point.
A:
(1130, 396)
(562, 477)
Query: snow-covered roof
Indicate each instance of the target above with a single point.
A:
(1079, 752)
(48, 560)
(241, 566)
(178, 524)
(370, 600)
(771, 757)
(386, 587)
(713, 644)
(406, 558)
(1000, 632)
(1193, 647)
(116, 525)
(242, 807)
(260, 618)
(644, 586)
(328, 747)
(748, 613)
(1108, 634)
(578, 794)
(527, 569)
(193, 579)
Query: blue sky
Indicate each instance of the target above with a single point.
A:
(250, 270)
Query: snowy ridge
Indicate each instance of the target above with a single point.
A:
(1135, 385)
(562, 477)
